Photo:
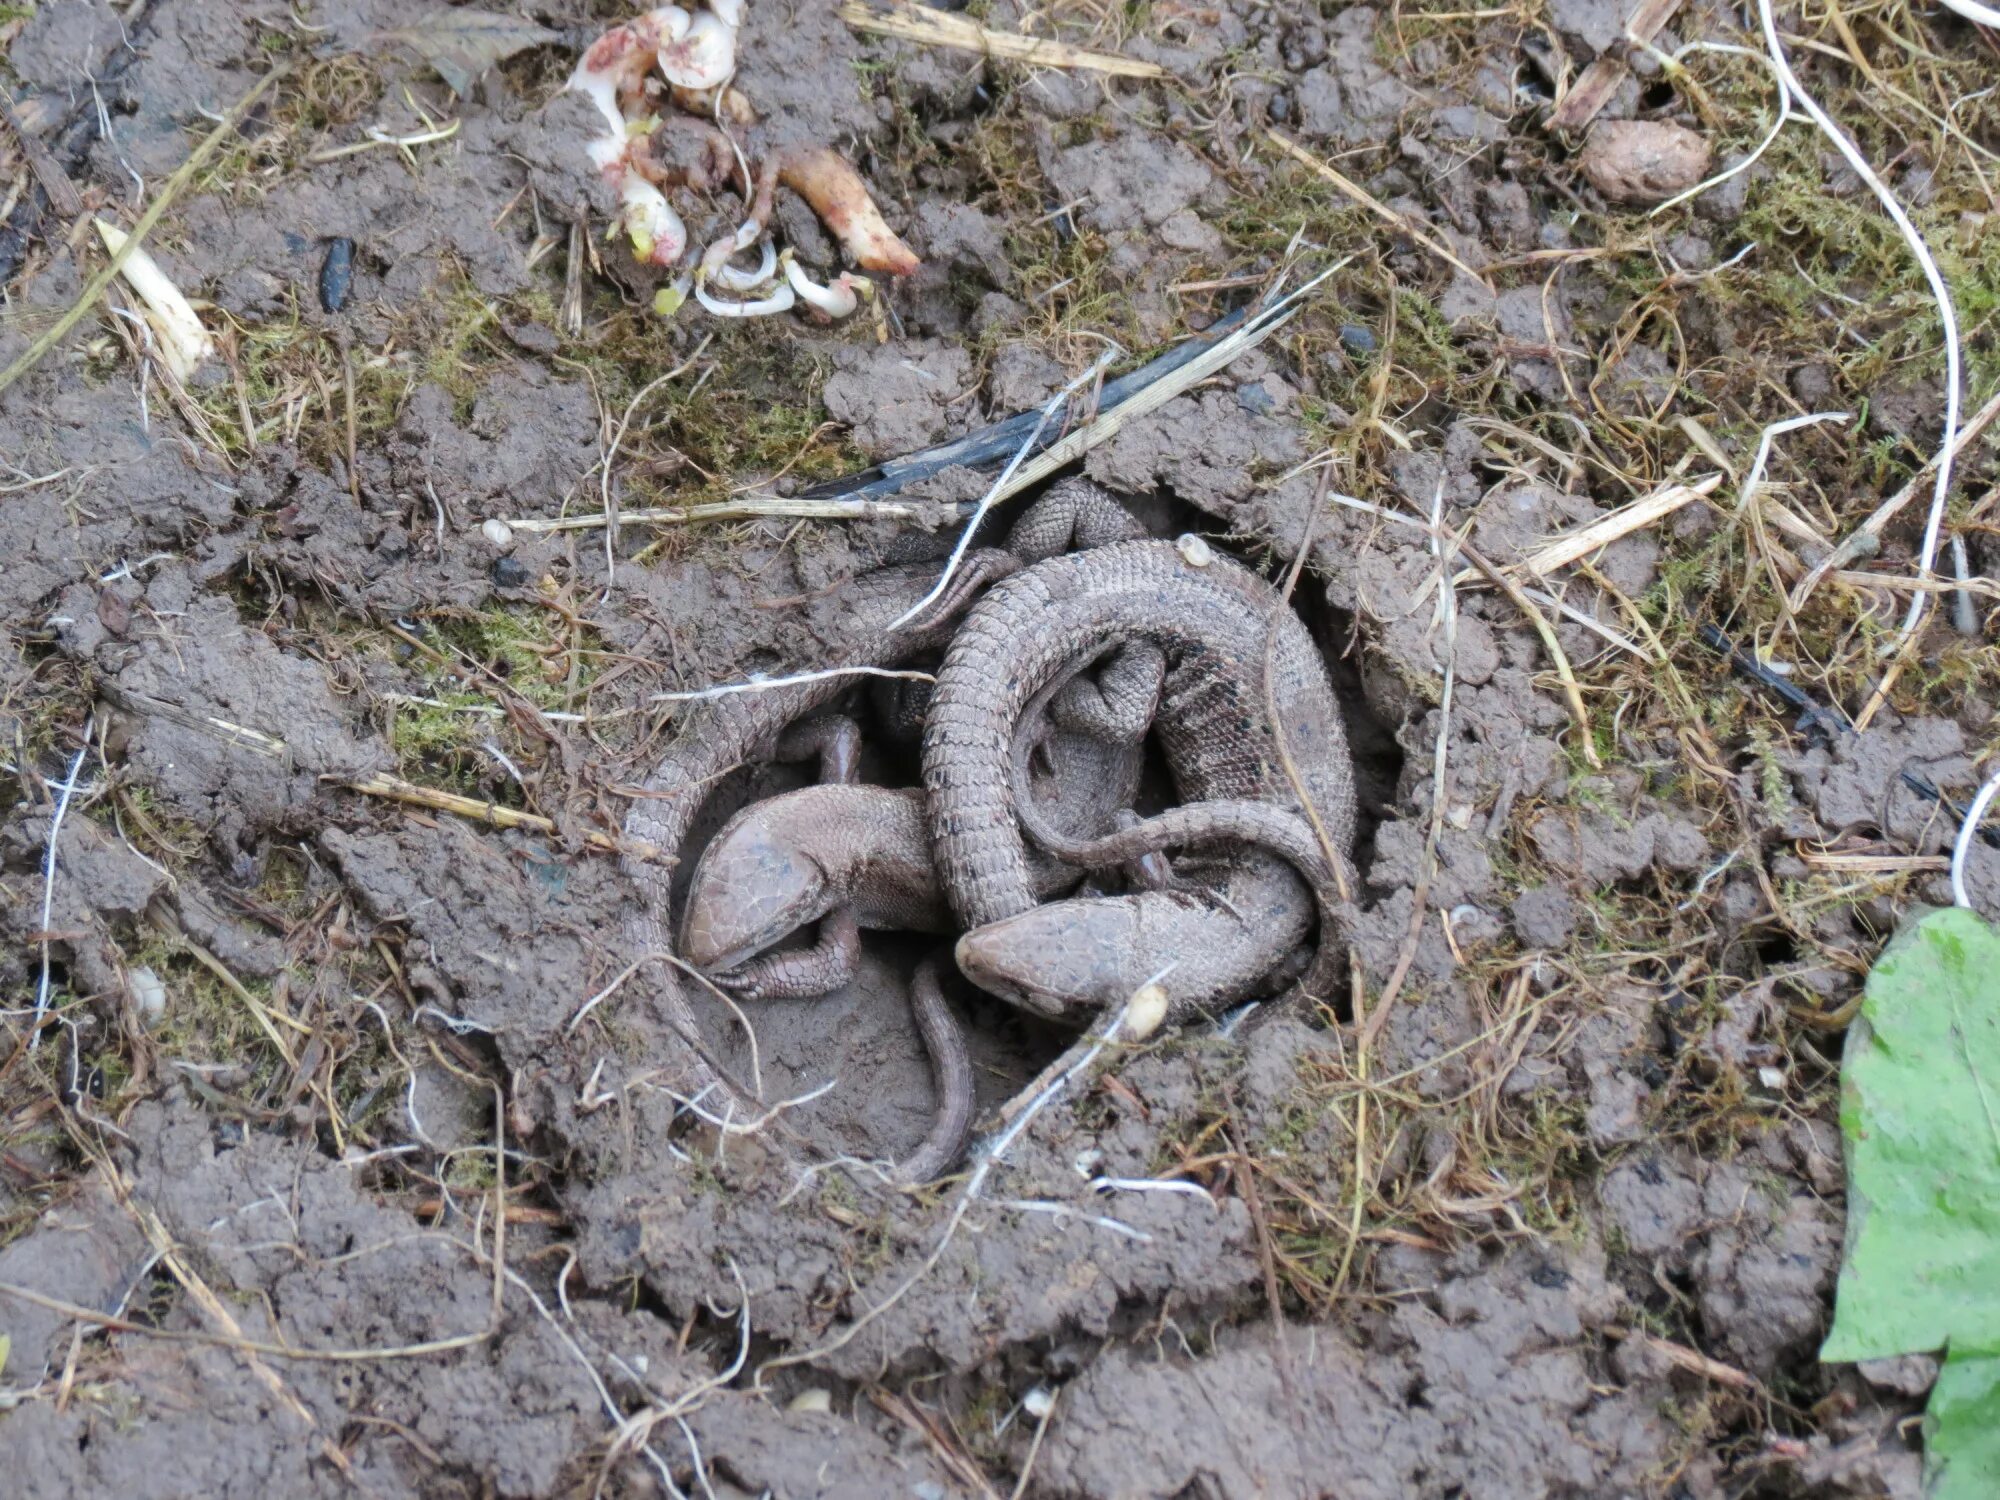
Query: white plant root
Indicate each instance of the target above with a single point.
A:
(181, 340)
(694, 52)
(1954, 384)
(838, 300)
(615, 64)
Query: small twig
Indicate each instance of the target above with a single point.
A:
(1035, 1444)
(1448, 622)
(742, 508)
(1571, 545)
(381, 784)
(1400, 222)
(920, 23)
(63, 196)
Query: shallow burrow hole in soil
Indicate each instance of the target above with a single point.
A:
(864, 1035)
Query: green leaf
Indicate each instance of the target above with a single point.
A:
(1962, 1430)
(463, 43)
(1920, 1109)
(6, 1348)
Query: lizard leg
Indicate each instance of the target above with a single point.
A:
(830, 963)
(1117, 702)
(900, 704)
(1070, 516)
(1151, 871)
(801, 973)
(833, 739)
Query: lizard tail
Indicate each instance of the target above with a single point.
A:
(1224, 820)
(951, 1068)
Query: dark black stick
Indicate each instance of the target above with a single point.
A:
(1820, 724)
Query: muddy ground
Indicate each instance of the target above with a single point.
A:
(1551, 1204)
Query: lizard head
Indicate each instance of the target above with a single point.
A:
(1066, 960)
(755, 885)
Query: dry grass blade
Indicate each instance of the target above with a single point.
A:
(1572, 545)
(1862, 539)
(1591, 92)
(1886, 865)
(745, 508)
(162, 201)
(937, 28)
(398, 790)
(1401, 223)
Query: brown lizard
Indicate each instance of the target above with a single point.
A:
(720, 733)
(1191, 646)
(850, 856)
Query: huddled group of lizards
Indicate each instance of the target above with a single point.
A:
(1062, 651)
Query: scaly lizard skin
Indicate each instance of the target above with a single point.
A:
(792, 859)
(718, 734)
(860, 857)
(1192, 644)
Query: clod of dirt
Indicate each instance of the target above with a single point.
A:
(62, 43)
(181, 694)
(1644, 161)
(898, 397)
(86, 1250)
(1480, 1383)
(1351, 96)
(1765, 1273)
(1133, 180)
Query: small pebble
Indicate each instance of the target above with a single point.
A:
(1195, 552)
(1254, 398)
(1039, 1402)
(1145, 1012)
(1357, 339)
(1643, 161)
(508, 573)
(149, 996)
(336, 274)
(498, 532)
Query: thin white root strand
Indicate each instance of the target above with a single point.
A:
(1947, 314)
(780, 301)
(1972, 10)
(1967, 831)
(717, 256)
(730, 279)
(837, 301)
(68, 790)
(182, 341)
(1784, 117)
(765, 684)
(1755, 478)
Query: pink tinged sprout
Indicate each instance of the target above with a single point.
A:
(837, 301)
(702, 57)
(613, 64)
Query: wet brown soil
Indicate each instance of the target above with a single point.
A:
(352, 1135)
